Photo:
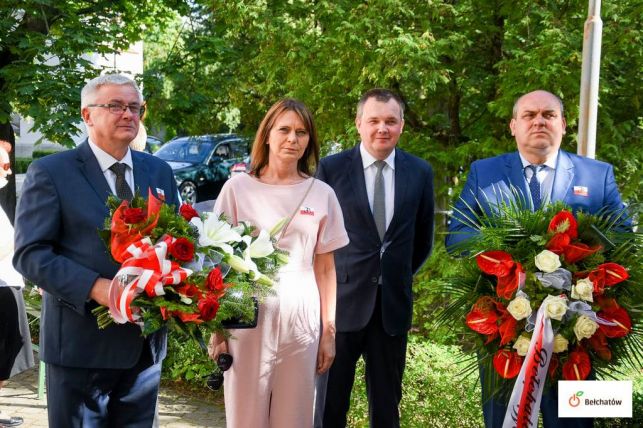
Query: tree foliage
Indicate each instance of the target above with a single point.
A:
(458, 65)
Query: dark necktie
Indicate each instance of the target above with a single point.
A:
(534, 186)
(379, 203)
(123, 190)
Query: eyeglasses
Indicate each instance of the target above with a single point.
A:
(136, 109)
(215, 380)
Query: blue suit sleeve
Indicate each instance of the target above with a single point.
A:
(460, 227)
(38, 229)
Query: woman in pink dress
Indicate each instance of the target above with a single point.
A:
(272, 380)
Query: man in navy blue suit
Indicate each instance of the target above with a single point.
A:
(95, 377)
(588, 185)
(386, 197)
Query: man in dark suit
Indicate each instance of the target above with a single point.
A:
(94, 377)
(386, 197)
(539, 172)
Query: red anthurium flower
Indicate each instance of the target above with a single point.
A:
(577, 366)
(507, 329)
(578, 251)
(598, 342)
(507, 363)
(553, 366)
(508, 284)
(597, 277)
(616, 315)
(188, 212)
(614, 273)
(607, 303)
(558, 243)
(564, 222)
(496, 263)
(482, 322)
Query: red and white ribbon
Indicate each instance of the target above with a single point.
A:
(524, 404)
(151, 271)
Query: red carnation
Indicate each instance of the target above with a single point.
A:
(564, 222)
(577, 366)
(616, 315)
(182, 249)
(507, 363)
(188, 212)
(208, 307)
(215, 281)
(133, 215)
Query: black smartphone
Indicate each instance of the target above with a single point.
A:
(239, 323)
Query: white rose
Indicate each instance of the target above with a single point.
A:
(555, 307)
(519, 308)
(583, 290)
(522, 345)
(547, 261)
(560, 343)
(585, 327)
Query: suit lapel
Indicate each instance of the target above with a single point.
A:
(91, 170)
(563, 177)
(516, 175)
(358, 183)
(402, 179)
(141, 174)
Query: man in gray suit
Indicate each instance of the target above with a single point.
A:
(95, 377)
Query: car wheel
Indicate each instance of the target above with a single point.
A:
(188, 192)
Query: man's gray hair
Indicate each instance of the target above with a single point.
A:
(560, 102)
(106, 79)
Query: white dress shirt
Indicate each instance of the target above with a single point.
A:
(105, 160)
(370, 170)
(545, 176)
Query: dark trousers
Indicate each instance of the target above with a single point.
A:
(495, 408)
(81, 397)
(10, 339)
(384, 358)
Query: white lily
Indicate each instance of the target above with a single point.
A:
(261, 246)
(216, 233)
(238, 264)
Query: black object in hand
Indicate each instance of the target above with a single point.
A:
(215, 380)
(224, 361)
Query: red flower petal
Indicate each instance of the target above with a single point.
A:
(598, 342)
(578, 251)
(507, 329)
(508, 284)
(496, 263)
(564, 222)
(482, 322)
(614, 273)
(507, 363)
(577, 366)
(598, 279)
(619, 316)
(558, 243)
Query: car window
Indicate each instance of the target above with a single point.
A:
(239, 149)
(223, 151)
(185, 150)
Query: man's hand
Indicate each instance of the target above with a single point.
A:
(100, 291)
(326, 353)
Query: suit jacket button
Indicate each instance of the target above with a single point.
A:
(374, 280)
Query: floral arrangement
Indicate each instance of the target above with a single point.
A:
(185, 271)
(547, 295)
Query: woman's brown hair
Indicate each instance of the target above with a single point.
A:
(259, 155)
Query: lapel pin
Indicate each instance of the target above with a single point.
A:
(307, 211)
(581, 191)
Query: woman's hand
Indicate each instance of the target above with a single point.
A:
(326, 352)
(218, 344)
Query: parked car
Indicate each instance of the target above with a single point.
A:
(240, 167)
(202, 164)
(152, 144)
